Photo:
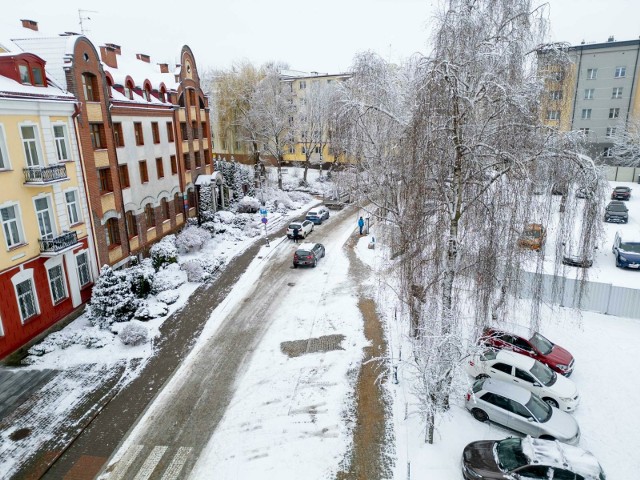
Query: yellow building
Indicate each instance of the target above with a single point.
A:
(47, 259)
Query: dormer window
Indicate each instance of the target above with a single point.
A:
(147, 94)
(161, 96)
(24, 74)
(37, 76)
(24, 68)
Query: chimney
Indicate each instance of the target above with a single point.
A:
(611, 39)
(116, 48)
(30, 24)
(164, 67)
(108, 55)
(144, 57)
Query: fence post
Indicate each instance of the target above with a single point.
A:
(609, 299)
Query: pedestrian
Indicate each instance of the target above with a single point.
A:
(361, 224)
(295, 235)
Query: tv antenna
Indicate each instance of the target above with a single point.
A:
(82, 15)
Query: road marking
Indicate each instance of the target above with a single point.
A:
(150, 463)
(126, 461)
(179, 459)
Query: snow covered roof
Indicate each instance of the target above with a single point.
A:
(514, 392)
(9, 87)
(559, 454)
(140, 71)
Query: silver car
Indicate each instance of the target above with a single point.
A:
(518, 409)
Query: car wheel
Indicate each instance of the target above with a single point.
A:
(479, 415)
(551, 402)
(295, 265)
(322, 253)
(618, 264)
(315, 262)
(481, 376)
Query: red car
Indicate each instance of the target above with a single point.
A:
(621, 193)
(538, 347)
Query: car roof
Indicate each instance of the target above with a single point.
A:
(552, 453)
(515, 359)
(622, 187)
(306, 246)
(512, 392)
(521, 333)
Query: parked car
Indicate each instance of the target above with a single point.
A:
(572, 258)
(308, 254)
(533, 237)
(621, 193)
(304, 227)
(616, 211)
(518, 409)
(528, 458)
(528, 373)
(318, 214)
(538, 347)
(584, 192)
(627, 253)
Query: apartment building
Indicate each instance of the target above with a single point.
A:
(595, 93)
(47, 259)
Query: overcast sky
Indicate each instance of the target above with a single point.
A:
(320, 36)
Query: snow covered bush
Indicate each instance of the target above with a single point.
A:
(299, 197)
(164, 252)
(191, 239)
(168, 278)
(150, 309)
(223, 216)
(64, 339)
(194, 270)
(140, 276)
(248, 205)
(168, 296)
(241, 220)
(112, 299)
(134, 334)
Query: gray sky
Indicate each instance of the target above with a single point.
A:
(318, 36)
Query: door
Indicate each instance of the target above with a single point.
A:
(498, 408)
(45, 218)
(526, 380)
(501, 371)
(520, 422)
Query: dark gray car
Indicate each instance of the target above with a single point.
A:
(616, 211)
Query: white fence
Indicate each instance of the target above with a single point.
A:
(622, 174)
(596, 296)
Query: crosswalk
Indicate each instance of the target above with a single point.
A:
(142, 462)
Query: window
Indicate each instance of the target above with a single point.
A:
(584, 131)
(607, 152)
(37, 76)
(177, 203)
(304, 149)
(24, 74)
(183, 130)
(45, 217)
(522, 375)
(155, 132)
(123, 175)
(592, 73)
(112, 232)
(12, 226)
(611, 131)
(316, 149)
(617, 92)
(203, 130)
(98, 139)
(517, 407)
(207, 158)
(588, 93)
(558, 76)
(187, 161)
(198, 161)
(137, 127)
(26, 299)
(57, 284)
(162, 96)
(117, 134)
(194, 130)
(614, 112)
(621, 72)
(128, 90)
(292, 149)
(60, 137)
(586, 113)
(144, 173)
(149, 216)
(502, 367)
(170, 131)
(165, 209)
(30, 144)
(90, 87)
(131, 223)
(191, 198)
(303, 84)
(4, 156)
(174, 165)
(159, 167)
(73, 210)
(106, 184)
(147, 95)
(82, 264)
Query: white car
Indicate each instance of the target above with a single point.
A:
(304, 227)
(526, 372)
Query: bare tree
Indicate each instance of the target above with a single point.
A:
(626, 144)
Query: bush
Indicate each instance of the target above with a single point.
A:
(112, 299)
(151, 309)
(140, 277)
(168, 278)
(168, 296)
(191, 239)
(248, 205)
(134, 334)
(164, 252)
(194, 270)
(225, 217)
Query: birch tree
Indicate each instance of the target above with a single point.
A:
(626, 144)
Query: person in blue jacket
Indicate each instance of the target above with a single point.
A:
(361, 224)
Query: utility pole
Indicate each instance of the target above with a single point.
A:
(82, 15)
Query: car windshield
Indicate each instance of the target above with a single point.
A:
(617, 208)
(295, 225)
(544, 374)
(622, 189)
(541, 410)
(488, 354)
(532, 233)
(633, 247)
(509, 455)
(543, 345)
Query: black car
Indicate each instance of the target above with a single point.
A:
(621, 193)
(616, 211)
(308, 254)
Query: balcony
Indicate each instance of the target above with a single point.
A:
(45, 175)
(57, 245)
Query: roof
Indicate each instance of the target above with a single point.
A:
(559, 454)
(11, 88)
(306, 246)
(513, 392)
(515, 359)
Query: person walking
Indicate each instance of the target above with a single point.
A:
(361, 224)
(295, 235)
